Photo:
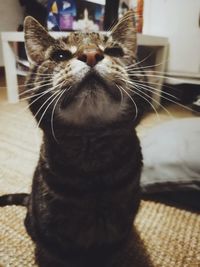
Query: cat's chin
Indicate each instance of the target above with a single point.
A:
(89, 89)
(93, 99)
(89, 106)
(87, 112)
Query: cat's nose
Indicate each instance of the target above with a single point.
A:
(91, 58)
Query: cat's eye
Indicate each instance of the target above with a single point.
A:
(61, 55)
(114, 51)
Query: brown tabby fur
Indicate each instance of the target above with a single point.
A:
(86, 187)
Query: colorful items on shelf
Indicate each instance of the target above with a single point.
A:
(75, 15)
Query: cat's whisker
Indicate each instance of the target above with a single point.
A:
(114, 24)
(42, 74)
(29, 105)
(34, 101)
(35, 115)
(41, 71)
(39, 85)
(121, 21)
(150, 75)
(121, 93)
(54, 95)
(22, 85)
(170, 100)
(135, 70)
(154, 83)
(136, 108)
(34, 83)
(34, 88)
(39, 97)
(52, 114)
(140, 90)
(148, 101)
(34, 95)
(134, 66)
(110, 29)
(154, 90)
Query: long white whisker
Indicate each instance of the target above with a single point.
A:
(126, 17)
(136, 109)
(38, 86)
(35, 88)
(54, 95)
(155, 76)
(121, 93)
(52, 114)
(33, 83)
(153, 89)
(132, 67)
(34, 95)
(148, 101)
(45, 92)
(37, 73)
(170, 100)
(140, 89)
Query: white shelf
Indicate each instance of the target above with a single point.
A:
(142, 39)
(159, 44)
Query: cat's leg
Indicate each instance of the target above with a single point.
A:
(29, 227)
(132, 254)
(45, 259)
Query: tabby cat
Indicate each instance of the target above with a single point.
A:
(86, 186)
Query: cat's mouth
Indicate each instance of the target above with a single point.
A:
(90, 85)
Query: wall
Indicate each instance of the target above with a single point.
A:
(11, 14)
(179, 21)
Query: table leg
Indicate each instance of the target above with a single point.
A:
(160, 67)
(11, 72)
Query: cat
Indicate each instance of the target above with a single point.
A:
(86, 186)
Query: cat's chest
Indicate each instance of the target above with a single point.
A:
(88, 192)
(92, 218)
(91, 153)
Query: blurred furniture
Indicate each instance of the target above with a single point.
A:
(180, 22)
(159, 46)
(11, 16)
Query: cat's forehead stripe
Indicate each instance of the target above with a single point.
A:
(77, 39)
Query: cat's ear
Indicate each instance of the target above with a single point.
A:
(37, 40)
(125, 31)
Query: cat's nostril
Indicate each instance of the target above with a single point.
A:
(99, 57)
(82, 57)
(91, 58)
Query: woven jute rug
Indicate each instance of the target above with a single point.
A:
(170, 236)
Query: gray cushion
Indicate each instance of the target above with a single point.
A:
(171, 154)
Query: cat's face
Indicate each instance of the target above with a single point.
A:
(81, 77)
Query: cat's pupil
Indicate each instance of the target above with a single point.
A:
(114, 51)
(61, 55)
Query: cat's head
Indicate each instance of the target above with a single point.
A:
(81, 78)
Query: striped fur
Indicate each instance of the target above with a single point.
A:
(14, 199)
(86, 186)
